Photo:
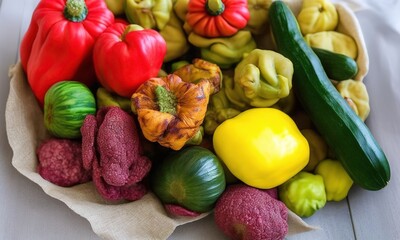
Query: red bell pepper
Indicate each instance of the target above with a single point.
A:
(59, 42)
(126, 55)
(217, 18)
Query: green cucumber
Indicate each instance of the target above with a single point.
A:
(337, 66)
(346, 134)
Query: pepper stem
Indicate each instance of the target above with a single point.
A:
(75, 10)
(166, 100)
(215, 7)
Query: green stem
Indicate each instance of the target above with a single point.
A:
(75, 10)
(215, 7)
(166, 100)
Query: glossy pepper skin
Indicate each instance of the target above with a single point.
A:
(262, 147)
(337, 181)
(58, 44)
(304, 193)
(126, 55)
(217, 18)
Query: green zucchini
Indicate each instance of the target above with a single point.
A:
(346, 134)
(337, 66)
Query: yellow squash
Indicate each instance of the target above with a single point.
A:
(262, 147)
(337, 181)
(317, 16)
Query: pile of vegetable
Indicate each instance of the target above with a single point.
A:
(187, 99)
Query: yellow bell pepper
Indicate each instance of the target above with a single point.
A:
(261, 147)
(317, 16)
(337, 181)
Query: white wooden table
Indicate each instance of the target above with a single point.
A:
(26, 212)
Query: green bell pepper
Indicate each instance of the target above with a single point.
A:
(304, 193)
(224, 51)
(337, 181)
(148, 13)
(261, 79)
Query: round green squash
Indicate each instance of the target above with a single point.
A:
(192, 178)
(66, 105)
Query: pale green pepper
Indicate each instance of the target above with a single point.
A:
(219, 109)
(180, 9)
(261, 79)
(116, 6)
(258, 9)
(105, 99)
(175, 37)
(304, 193)
(150, 14)
(337, 181)
(224, 51)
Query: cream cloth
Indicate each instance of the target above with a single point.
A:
(142, 219)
